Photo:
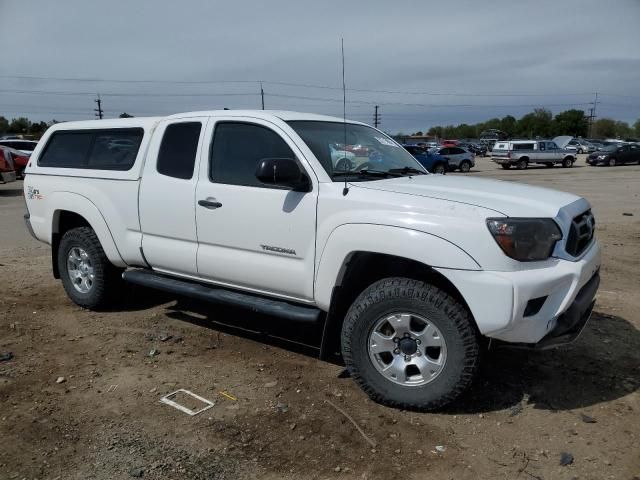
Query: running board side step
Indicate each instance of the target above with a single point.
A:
(267, 306)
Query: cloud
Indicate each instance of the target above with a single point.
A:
(553, 50)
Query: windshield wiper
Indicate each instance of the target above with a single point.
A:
(365, 172)
(406, 170)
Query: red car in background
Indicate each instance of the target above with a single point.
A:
(450, 143)
(7, 170)
(17, 159)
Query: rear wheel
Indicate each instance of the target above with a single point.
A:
(439, 168)
(522, 164)
(88, 277)
(409, 344)
(567, 162)
(465, 166)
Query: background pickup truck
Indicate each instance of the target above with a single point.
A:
(521, 153)
(408, 274)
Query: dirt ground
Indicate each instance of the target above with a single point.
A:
(274, 414)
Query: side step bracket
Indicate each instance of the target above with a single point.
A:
(258, 304)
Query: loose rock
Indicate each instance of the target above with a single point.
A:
(566, 459)
(271, 384)
(587, 418)
(61, 380)
(6, 356)
(136, 472)
(154, 352)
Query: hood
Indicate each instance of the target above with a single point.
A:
(505, 198)
(562, 141)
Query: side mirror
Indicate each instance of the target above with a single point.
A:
(282, 172)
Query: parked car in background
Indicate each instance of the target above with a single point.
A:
(433, 162)
(342, 159)
(474, 148)
(450, 143)
(7, 169)
(459, 158)
(614, 155)
(25, 146)
(521, 153)
(580, 146)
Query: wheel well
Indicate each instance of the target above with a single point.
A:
(63, 221)
(363, 269)
(525, 158)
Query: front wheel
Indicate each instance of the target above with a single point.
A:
(465, 166)
(409, 344)
(439, 169)
(567, 162)
(88, 277)
(613, 162)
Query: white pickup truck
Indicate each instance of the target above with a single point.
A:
(411, 273)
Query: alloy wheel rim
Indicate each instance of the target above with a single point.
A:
(80, 269)
(407, 349)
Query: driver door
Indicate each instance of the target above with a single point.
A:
(251, 236)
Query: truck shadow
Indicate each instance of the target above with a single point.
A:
(11, 192)
(602, 365)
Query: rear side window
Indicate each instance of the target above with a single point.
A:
(239, 147)
(109, 149)
(523, 146)
(178, 149)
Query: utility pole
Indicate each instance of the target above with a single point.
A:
(262, 95)
(592, 114)
(99, 113)
(376, 117)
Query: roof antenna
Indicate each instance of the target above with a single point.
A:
(345, 190)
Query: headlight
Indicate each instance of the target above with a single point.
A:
(525, 239)
(601, 157)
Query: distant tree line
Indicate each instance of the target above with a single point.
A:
(23, 126)
(542, 123)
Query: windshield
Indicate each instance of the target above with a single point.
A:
(608, 148)
(364, 149)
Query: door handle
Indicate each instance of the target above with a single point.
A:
(210, 204)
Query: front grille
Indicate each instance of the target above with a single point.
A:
(580, 233)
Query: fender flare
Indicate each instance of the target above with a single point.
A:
(346, 239)
(81, 205)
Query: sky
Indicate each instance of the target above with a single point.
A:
(424, 63)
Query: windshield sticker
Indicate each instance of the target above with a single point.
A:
(385, 141)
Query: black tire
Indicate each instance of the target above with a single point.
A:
(465, 166)
(106, 278)
(506, 166)
(567, 162)
(393, 295)
(612, 162)
(439, 168)
(522, 164)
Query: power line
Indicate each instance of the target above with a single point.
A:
(294, 84)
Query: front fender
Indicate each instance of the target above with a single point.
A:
(402, 242)
(81, 205)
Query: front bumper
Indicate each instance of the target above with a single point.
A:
(501, 301)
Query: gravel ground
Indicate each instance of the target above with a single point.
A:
(274, 414)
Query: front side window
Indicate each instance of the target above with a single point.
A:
(347, 150)
(542, 146)
(239, 147)
(177, 155)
